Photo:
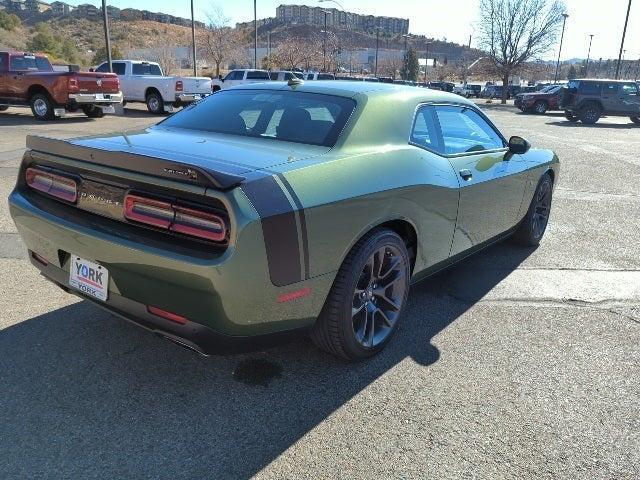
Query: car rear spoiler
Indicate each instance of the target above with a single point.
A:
(159, 167)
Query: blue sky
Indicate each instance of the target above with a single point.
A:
(450, 19)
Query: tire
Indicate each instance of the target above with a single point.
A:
(540, 107)
(571, 117)
(359, 316)
(534, 224)
(590, 114)
(155, 104)
(4, 108)
(92, 111)
(635, 120)
(42, 106)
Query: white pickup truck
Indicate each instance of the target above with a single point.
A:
(239, 77)
(144, 82)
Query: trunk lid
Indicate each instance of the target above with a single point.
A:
(196, 84)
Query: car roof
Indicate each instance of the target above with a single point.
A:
(349, 89)
(609, 80)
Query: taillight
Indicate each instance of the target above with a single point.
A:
(174, 317)
(188, 221)
(179, 86)
(72, 85)
(145, 210)
(57, 186)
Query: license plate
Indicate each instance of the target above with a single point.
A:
(89, 278)
(99, 96)
(109, 109)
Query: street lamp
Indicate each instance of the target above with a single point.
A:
(193, 41)
(564, 21)
(347, 17)
(586, 68)
(624, 33)
(375, 71)
(324, 42)
(255, 34)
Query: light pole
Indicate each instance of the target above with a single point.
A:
(406, 60)
(255, 34)
(375, 71)
(193, 41)
(347, 17)
(426, 61)
(624, 33)
(586, 68)
(564, 21)
(107, 40)
(324, 42)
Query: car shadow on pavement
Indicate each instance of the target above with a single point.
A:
(85, 394)
(567, 123)
(11, 119)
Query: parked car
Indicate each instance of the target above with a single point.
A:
(284, 75)
(539, 102)
(468, 90)
(145, 82)
(319, 76)
(493, 91)
(28, 79)
(588, 100)
(240, 77)
(213, 230)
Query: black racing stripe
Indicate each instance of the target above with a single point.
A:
(303, 222)
(278, 228)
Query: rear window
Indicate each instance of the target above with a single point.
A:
(313, 119)
(30, 62)
(119, 68)
(258, 75)
(145, 69)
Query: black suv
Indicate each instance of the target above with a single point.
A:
(588, 100)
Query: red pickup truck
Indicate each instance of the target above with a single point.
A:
(28, 79)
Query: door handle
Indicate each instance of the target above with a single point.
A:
(466, 174)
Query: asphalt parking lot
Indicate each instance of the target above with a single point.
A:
(517, 363)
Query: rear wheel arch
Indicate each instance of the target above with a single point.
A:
(33, 89)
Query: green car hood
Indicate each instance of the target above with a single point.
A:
(234, 154)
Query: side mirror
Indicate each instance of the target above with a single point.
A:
(518, 145)
(92, 69)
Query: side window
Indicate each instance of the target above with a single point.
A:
(118, 68)
(104, 68)
(273, 75)
(2, 62)
(425, 130)
(288, 76)
(236, 75)
(465, 131)
(610, 88)
(590, 88)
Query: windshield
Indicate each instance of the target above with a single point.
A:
(30, 62)
(314, 119)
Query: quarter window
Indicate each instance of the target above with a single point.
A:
(465, 131)
(629, 89)
(425, 130)
(256, 75)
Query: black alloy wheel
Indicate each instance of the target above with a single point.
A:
(534, 224)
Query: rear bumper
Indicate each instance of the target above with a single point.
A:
(95, 98)
(191, 335)
(189, 97)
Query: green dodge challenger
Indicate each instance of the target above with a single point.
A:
(268, 209)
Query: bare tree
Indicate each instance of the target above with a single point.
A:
(390, 66)
(221, 43)
(516, 31)
(292, 52)
(166, 58)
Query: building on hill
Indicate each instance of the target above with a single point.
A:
(87, 10)
(317, 16)
(113, 12)
(262, 22)
(36, 6)
(61, 8)
(15, 5)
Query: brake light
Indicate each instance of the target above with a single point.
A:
(72, 85)
(179, 86)
(175, 218)
(55, 185)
